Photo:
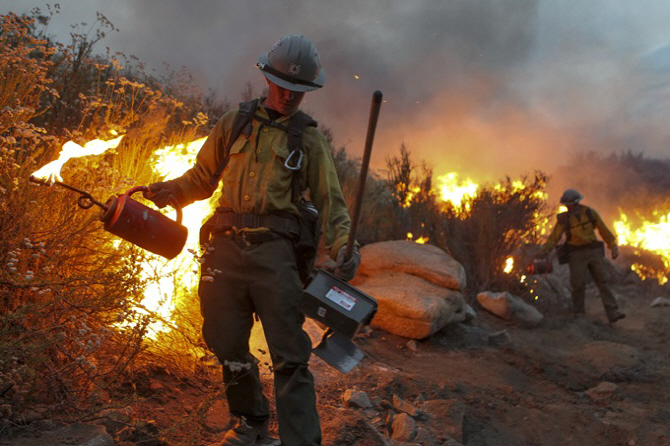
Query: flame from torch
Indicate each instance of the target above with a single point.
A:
(49, 174)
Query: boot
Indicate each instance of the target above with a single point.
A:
(268, 441)
(617, 315)
(246, 434)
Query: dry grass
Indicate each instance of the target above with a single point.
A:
(65, 283)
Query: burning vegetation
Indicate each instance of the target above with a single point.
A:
(78, 307)
(82, 312)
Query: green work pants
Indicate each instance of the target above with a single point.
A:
(585, 261)
(260, 278)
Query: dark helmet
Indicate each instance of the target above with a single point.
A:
(571, 196)
(293, 63)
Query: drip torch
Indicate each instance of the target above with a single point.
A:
(133, 221)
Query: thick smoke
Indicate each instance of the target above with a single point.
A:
(485, 88)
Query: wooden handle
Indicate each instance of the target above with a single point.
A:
(372, 125)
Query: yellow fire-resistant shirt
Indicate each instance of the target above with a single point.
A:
(581, 230)
(255, 180)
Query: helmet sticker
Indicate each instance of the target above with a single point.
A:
(294, 69)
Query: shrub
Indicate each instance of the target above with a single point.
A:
(72, 326)
(501, 218)
(481, 232)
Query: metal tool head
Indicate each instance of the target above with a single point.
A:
(338, 351)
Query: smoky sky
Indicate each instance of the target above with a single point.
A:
(486, 88)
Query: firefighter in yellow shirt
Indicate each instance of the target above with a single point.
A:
(253, 234)
(584, 253)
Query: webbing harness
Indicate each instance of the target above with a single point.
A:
(281, 222)
(295, 128)
(564, 219)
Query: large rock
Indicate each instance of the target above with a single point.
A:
(403, 427)
(411, 306)
(417, 287)
(510, 307)
(402, 256)
(350, 427)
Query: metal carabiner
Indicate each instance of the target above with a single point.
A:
(298, 165)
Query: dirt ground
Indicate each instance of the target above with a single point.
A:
(533, 388)
(566, 382)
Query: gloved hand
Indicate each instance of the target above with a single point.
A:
(161, 193)
(615, 252)
(346, 269)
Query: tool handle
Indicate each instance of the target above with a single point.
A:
(372, 125)
(172, 203)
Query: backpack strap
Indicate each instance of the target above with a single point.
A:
(591, 217)
(564, 219)
(243, 121)
(295, 129)
(296, 126)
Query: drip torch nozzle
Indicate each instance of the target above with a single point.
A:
(41, 180)
(85, 201)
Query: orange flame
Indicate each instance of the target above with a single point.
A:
(457, 191)
(163, 277)
(178, 273)
(651, 235)
(509, 265)
(50, 173)
(421, 240)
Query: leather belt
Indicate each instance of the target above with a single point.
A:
(282, 223)
(590, 245)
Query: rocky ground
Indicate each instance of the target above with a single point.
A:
(581, 382)
(483, 383)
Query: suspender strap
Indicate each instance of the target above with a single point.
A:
(297, 126)
(295, 129)
(243, 119)
(564, 219)
(589, 215)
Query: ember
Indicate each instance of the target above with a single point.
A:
(509, 265)
(421, 240)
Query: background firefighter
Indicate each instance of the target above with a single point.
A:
(253, 235)
(584, 252)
